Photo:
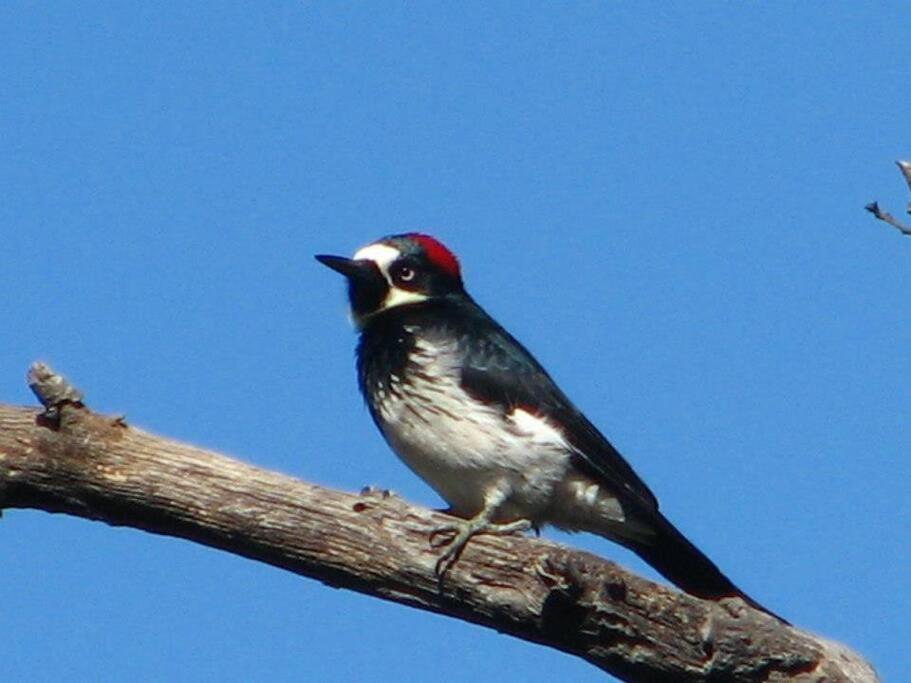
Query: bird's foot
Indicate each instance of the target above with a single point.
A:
(456, 535)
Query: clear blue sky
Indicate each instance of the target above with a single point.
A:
(663, 201)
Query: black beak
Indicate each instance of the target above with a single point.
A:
(350, 268)
(366, 285)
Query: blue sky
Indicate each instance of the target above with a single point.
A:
(663, 201)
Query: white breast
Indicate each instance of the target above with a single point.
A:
(463, 447)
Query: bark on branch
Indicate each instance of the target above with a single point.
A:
(70, 460)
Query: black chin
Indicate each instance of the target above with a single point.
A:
(367, 288)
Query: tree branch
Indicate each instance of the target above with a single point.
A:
(70, 460)
(885, 216)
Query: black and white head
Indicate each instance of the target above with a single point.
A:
(396, 271)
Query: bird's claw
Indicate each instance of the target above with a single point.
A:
(457, 535)
(443, 535)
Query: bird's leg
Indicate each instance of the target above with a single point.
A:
(456, 535)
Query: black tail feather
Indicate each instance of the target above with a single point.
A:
(684, 565)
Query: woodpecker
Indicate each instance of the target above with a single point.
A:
(475, 415)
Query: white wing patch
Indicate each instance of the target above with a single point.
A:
(536, 428)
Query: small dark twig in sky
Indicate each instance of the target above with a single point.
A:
(874, 208)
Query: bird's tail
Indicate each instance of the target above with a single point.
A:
(683, 564)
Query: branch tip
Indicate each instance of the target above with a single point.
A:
(51, 389)
(905, 168)
(886, 217)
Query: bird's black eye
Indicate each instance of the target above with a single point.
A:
(402, 273)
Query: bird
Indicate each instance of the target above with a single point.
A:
(472, 412)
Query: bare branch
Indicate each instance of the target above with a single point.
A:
(888, 218)
(91, 466)
(905, 169)
(885, 216)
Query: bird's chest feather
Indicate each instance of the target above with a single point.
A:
(459, 445)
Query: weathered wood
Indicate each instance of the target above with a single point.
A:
(76, 462)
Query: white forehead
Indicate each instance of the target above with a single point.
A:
(381, 254)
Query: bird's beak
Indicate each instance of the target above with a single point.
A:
(367, 287)
(348, 267)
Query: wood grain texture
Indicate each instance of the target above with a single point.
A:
(79, 463)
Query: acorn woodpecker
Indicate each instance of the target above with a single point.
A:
(472, 412)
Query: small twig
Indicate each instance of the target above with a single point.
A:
(885, 216)
(905, 168)
(53, 390)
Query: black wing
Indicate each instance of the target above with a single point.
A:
(498, 369)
